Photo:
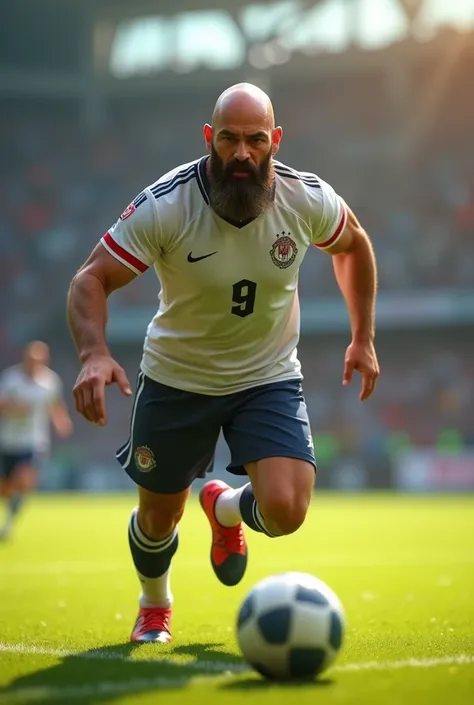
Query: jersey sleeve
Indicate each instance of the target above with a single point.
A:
(134, 239)
(329, 218)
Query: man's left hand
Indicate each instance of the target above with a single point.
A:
(361, 356)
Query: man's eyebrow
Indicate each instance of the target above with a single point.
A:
(228, 133)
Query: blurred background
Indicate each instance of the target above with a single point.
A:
(98, 98)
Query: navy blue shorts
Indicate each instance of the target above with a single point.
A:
(174, 433)
(9, 462)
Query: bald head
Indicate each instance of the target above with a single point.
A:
(242, 141)
(244, 102)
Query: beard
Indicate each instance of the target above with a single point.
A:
(240, 198)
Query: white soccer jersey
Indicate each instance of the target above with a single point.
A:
(228, 316)
(30, 430)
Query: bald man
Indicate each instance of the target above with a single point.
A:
(226, 235)
(30, 400)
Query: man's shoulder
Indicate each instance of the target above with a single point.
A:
(296, 179)
(11, 373)
(177, 198)
(300, 191)
(174, 180)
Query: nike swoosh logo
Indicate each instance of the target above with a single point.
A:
(196, 259)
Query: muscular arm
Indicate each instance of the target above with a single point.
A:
(87, 317)
(356, 274)
(87, 301)
(125, 251)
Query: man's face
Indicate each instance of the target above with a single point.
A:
(35, 357)
(240, 189)
(241, 169)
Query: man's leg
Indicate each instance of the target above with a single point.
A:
(172, 440)
(269, 437)
(153, 539)
(5, 494)
(14, 501)
(276, 499)
(274, 502)
(20, 477)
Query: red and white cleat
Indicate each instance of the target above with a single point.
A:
(153, 624)
(229, 548)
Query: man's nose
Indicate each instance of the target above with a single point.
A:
(242, 153)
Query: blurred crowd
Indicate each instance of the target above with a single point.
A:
(408, 173)
(408, 176)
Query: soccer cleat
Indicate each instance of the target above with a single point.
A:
(153, 624)
(229, 548)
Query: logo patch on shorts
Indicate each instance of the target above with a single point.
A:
(144, 459)
(284, 251)
(128, 211)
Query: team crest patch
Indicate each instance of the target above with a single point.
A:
(284, 251)
(144, 459)
(128, 211)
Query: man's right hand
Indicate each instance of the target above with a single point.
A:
(89, 391)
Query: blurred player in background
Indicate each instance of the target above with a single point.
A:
(226, 234)
(30, 400)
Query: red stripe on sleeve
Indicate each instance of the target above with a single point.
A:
(334, 237)
(123, 254)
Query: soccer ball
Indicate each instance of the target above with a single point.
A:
(290, 626)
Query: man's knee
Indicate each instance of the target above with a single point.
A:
(283, 488)
(158, 515)
(284, 512)
(158, 522)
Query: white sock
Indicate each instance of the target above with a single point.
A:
(227, 507)
(156, 592)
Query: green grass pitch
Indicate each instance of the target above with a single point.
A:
(402, 566)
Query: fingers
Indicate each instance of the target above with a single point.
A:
(120, 377)
(348, 370)
(81, 401)
(98, 399)
(89, 400)
(89, 391)
(369, 377)
(369, 380)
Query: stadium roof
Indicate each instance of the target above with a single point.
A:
(125, 8)
(164, 7)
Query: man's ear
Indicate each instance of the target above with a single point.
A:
(277, 134)
(207, 132)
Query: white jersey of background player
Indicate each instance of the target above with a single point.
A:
(28, 430)
(215, 273)
(30, 400)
